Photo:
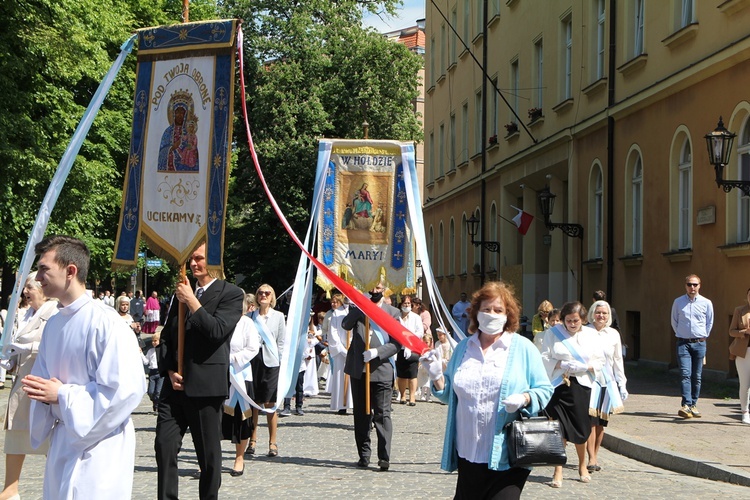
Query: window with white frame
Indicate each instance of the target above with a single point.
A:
(637, 205)
(467, 21)
(598, 213)
(686, 12)
(567, 57)
(514, 85)
(539, 76)
(453, 37)
(638, 24)
(495, 108)
(452, 248)
(432, 61)
(452, 158)
(478, 122)
(495, 8)
(479, 17)
(441, 247)
(478, 248)
(493, 236)
(465, 133)
(685, 202)
(600, 39)
(441, 151)
(743, 155)
(443, 49)
(464, 243)
(433, 159)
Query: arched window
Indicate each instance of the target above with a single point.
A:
(464, 244)
(431, 247)
(597, 212)
(637, 206)
(493, 235)
(743, 214)
(441, 246)
(685, 190)
(478, 249)
(452, 248)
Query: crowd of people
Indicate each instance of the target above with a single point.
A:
(572, 371)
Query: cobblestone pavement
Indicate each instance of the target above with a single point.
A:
(317, 455)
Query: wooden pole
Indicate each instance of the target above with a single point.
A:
(185, 11)
(181, 327)
(367, 371)
(346, 377)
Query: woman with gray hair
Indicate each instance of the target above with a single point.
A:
(23, 350)
(610, 390)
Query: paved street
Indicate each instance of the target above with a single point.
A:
(317, 455)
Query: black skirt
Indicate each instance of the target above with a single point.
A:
(570, 405)
(406, 367)
(265, 380)
(234, 428)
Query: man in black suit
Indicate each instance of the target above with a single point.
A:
(194, 398)
(382, 347)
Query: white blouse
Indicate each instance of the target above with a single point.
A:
(477, 385)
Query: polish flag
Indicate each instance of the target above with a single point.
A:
(522, 220)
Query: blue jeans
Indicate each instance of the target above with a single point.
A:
(690, 357)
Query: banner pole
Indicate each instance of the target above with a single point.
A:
(181, 327)
(367, 372)
(185, 11)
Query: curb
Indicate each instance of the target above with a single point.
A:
(626, 446)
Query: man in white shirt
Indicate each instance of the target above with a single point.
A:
(86, 381)
(461, 315)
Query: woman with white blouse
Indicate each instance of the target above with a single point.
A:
(573, 358)
(407, 362)
(493, 375)
(612, 389)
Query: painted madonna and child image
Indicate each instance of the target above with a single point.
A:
(362, 213)
(178, 149)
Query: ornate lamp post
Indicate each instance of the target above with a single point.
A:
(472, 225)
(719, 144)
(547, 204)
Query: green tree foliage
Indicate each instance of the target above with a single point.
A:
(53, 54)
(311, 71)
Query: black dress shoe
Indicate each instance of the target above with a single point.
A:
(342, 412)
(237, 473)
(363, 463)
(384, 465)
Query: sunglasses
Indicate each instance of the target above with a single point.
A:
(692, 284)
(264, 292)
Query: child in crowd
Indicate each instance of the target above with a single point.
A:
(423, 379)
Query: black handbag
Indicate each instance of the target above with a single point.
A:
(535, 441)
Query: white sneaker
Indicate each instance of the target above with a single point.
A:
(746, 418)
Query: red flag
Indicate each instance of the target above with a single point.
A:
(522, 220)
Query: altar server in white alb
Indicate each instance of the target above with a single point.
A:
(86, 381)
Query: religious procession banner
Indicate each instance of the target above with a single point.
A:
(364, 229)
(177, 175)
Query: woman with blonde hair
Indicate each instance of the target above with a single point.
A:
(23, 351)
(265, 368)
(539, 322)
(740, 331)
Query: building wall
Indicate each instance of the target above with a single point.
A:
(645, 103)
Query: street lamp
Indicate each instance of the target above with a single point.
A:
(719, 143)
(472, 226)
(547, 204)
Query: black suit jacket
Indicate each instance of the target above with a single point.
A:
(207, 335)
(381, 369)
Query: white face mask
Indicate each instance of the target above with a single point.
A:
(491, 324)
(406, 309)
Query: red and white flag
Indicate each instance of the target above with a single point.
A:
(522, 220)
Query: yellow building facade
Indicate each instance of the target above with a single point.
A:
(606, 103)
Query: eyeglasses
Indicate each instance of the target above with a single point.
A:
(264, 292)
(692, 284)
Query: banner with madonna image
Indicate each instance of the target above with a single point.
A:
(176, 181)
(364, 229)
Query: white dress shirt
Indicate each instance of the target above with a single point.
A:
(477, 384)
